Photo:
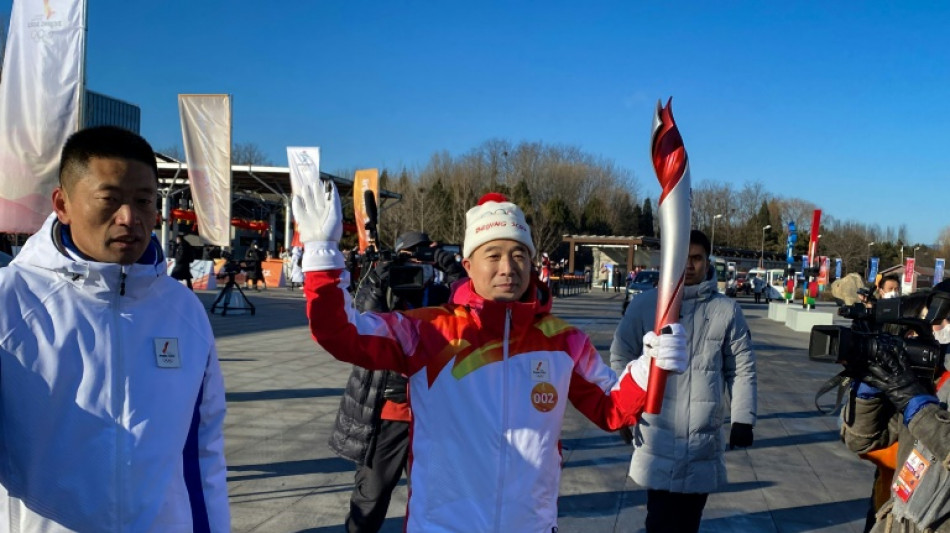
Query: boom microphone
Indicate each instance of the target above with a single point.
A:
(369, 207)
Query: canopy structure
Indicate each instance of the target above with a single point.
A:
(258, 193)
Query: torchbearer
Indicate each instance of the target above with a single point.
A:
(490, 372)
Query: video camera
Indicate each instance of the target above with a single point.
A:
(880, 325)
(410, 273)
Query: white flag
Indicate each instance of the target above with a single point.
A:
(40, 95)
(304, 165)
(206, 132)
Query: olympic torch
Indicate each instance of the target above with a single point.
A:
(672, 170)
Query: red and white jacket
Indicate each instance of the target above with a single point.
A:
(489, 383)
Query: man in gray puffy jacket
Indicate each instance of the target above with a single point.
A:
(678, 455)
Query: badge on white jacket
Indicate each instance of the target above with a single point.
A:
(166, 353)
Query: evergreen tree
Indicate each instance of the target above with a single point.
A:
(521, 196)
(646, 219)
(437, 215)
(624, 221)
(635, 219)
(594, 219)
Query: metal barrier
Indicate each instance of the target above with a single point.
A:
(567, 285)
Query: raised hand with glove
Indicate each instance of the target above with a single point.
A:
(319, 216)
(668, 349)
(888, 372)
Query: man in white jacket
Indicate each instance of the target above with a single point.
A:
(111, 397)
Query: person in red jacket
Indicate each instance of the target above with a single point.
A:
(490, 373)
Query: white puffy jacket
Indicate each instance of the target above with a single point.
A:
(95, 435)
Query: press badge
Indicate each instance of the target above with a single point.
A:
(166, 353)
(910, 475)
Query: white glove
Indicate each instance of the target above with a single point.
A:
(669, 350)
(320, 223)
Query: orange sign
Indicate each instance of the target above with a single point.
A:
(273, 272)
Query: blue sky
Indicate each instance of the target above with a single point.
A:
(844, 104)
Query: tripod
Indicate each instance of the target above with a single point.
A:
(227, 296)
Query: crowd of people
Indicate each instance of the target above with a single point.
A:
(98, 369)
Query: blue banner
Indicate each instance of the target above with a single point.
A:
(872, 274)
(837, 268)
(790, 244)
(938, 271)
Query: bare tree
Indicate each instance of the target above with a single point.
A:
(248, 154)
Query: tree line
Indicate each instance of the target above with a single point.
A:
(564, 190)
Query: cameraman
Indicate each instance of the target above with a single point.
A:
(891, 404)
(889, 286)
(372, 424)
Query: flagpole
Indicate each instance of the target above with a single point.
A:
(82, 68)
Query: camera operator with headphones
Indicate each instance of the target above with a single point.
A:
(372, 424)
(892, 404)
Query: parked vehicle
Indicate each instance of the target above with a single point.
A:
(774, 282)
(742, 284)
(643, 281)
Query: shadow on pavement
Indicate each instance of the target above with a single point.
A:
(792, 519)
(281, 394)
(391, 525)
(797, 440)
(324, 465)
(599, 503)
(592, 443)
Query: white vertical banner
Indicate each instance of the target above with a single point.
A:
(40, 99)
(206, 134)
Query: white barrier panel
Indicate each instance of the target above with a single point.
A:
(202, 274)
(778, 310)
(802, 319)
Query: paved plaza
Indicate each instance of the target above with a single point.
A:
(284, 390)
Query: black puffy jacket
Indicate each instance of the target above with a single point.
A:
(357, 420)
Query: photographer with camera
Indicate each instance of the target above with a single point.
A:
(372, 424)
(901, 397)
(490, 372)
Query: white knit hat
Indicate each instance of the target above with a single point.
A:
(492, 219)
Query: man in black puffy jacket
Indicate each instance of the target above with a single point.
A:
(372, 424)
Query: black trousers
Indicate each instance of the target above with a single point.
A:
(377, 477)
(678, 512)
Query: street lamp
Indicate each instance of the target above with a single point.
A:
(867, 273)
(762, 255)
(712, 243)
(422, 212)
(915, 253)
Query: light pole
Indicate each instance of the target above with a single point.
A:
(712, 243)
(867, 273)
(915, 253)
(762, 255)
(422, 212)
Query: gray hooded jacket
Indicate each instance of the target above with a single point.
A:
(681, 449)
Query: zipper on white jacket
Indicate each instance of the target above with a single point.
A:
(118, 402)
(503, 460)
(122, 276)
